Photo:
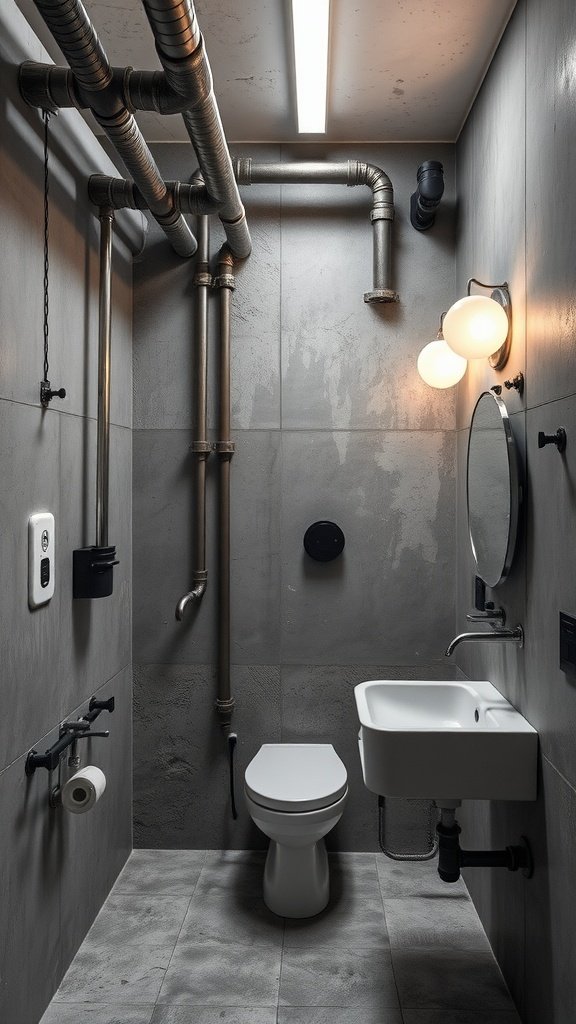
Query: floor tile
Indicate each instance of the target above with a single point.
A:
(157, 871)
(424, 921)
(239, 870)
(222, 975)
(337, 1015)
(97, 1013)
(414, 878)
(361, 978)
(214, 1015)
(346, 924)
(353, 874)
(235, 918)
(451, 980)
(153, 921)
(131, 974)
(460, 1017)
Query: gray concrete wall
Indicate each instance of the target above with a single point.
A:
(56, 869)
(515, 164)
(331, 420)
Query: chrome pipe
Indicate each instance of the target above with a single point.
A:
(350, 173)
(106, 218)
(93, 76)
(200, 446)
(225, 449)
(181, 50)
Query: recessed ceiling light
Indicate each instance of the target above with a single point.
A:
(310, 20)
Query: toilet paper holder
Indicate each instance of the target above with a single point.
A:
(70, 733)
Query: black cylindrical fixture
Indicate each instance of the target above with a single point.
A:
(425, 200)
(448, 851)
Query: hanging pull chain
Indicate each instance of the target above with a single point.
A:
(46, 394)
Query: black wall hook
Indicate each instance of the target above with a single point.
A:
(559, 439)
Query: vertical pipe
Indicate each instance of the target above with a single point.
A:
(200, 447)
(106, 217)
(225, 449)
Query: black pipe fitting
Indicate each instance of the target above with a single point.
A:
(451, 858)
(425, 200)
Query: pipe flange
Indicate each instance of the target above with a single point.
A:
(224, 281)
(224, 447)
(202, 280)
(381, 295)
(201, 448)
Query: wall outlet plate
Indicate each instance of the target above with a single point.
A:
(41, 558)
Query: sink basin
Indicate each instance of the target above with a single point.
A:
(444, 740)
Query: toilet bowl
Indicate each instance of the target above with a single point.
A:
(296, 793)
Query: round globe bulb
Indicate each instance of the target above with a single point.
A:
(439, 366)
(475, 327)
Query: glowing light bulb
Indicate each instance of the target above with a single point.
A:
(439, 366)
(475, 327)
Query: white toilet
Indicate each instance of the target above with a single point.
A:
(295, 794)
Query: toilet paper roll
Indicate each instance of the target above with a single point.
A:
(83, 790)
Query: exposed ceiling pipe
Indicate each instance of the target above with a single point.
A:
(181, 50)
(71, 27)
(351, 173)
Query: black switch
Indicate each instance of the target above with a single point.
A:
(567, 643)
(44, 572)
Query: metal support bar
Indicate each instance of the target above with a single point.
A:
(70, 732)
(106, 218)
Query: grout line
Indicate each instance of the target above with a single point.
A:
(179, 933)
(62, 412)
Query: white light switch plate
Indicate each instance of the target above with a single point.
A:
(41, 558)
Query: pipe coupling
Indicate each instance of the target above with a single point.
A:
(189, 76)
(243, 170)
(46, 86)
(225, 707)
(201, 448)
(224, 447)
(224, 281)
(202, 279)
(382, 213)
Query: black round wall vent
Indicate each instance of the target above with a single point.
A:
(324, 541)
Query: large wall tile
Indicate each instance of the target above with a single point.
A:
(491, 207)
(30, 647)
(550, 209)
(347, 364)
(392, 494)
(551, 694)
(163, 524)
(181, 782)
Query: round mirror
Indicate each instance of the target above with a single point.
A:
(493, 489)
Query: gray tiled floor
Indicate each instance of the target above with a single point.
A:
(184, 938)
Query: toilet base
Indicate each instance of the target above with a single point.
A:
(296, 879)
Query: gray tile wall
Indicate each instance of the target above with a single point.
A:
(56, 869)
(514, 165)
(330, 421)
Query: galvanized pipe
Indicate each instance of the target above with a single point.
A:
(106, 218)
(94, 77)
(121, 194)
(350, 173)
(225, 449)
(181, 50)
(200, 447)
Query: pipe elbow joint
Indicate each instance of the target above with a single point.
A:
(425, 200)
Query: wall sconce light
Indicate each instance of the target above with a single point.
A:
(438, 365)
(479, 326)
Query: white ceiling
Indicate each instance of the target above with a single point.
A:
(400, 70)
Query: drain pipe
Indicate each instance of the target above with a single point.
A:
(426, 199)
(200, 447)
(351, 173)
(72, 29)
(180, 47)
(224, 447)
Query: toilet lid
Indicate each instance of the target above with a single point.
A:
(296, 776)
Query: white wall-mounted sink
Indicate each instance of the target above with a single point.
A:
(452, 740)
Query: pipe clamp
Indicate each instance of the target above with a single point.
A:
(201, 448)
(224, 447)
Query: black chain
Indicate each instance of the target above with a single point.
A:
(46, 116)
(46, 394)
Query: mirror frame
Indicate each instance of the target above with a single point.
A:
(515, 490)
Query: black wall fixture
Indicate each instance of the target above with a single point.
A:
(426, 199)
(324, 541)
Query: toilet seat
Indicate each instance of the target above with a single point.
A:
(296, 777)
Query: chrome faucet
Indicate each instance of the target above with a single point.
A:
(515, 635)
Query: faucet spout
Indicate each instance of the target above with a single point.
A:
(515, 635)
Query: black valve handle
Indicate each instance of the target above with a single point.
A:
(101, 705)
(559, 439)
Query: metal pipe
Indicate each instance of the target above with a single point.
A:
(350, 173)
(72, 29)
(225, 449)
(181, 50)
(106, 218)
(121, 194)
(426, 199)
(200, 447)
